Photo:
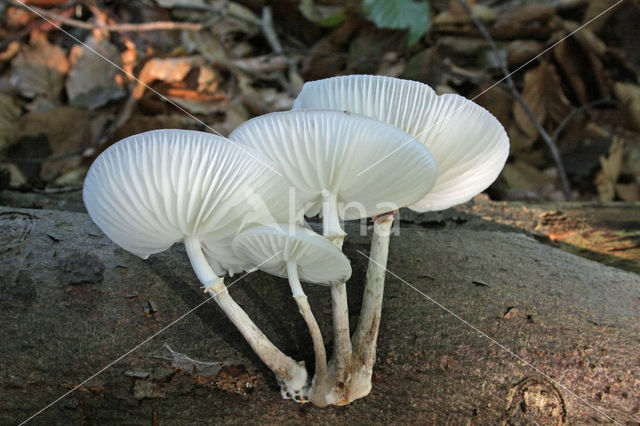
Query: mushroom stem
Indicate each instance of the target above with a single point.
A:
(307, 314)
(333, 387)
(342, 352)
(330, 220)
(291, 375)
(366, 333)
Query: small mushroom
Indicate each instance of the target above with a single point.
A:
(158, 188)
(299, 254)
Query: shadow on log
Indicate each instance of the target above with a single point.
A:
(71, 303)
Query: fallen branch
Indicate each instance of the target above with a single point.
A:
(138, 27)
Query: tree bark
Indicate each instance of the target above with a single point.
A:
(71, 302)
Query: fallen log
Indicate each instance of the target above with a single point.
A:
(478, 326)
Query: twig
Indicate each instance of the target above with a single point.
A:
(565, 121)
(145, 26)
(272, 38)
(222, 11)
(553, 149)
(58, 190)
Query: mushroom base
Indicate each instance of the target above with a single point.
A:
(349, 373)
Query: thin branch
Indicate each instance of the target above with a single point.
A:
(222, 11)
(139, 27)
(553, 149)
(271, 36)
(574, 112)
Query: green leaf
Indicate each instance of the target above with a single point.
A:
(400, 15)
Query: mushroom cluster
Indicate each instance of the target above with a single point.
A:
(353, 147)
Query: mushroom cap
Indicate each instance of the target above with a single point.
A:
(271, 247)
(340, 152)
(469, 144)
(153, 189)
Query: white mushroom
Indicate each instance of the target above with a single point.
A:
(299, 254)
(469, 145)
(158, 188)
(326, 155)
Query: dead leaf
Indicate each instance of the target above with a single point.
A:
(629, 96)
(39, 68)
(66, 131)
(17, 18)
(527, 181)
(12, 50)
(208, 80)
(581, 58)
(457, 15)
(628, 191)
(92, 80)
(610, 171)
(498, 101)
(323, 60)
(572, 66)
(528, 21)
(586, 38)
(595, 9)
(139, 123)
(424, 66)
(543, 95)
(165, 69)
(520, 51)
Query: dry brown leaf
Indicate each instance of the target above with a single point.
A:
(457, 15)
(208, 80)
(456, 8)
(543, 95)
(139, 123)
(628, 191)
(392, 65)
(17, 18)
(92, 81)
(39, 68)
(629, 96)
(520, 51)
(610, 171)
(12, 50)
(323, 60)
(527, 180)
(585, 37)
(169, 70)
(572, 66)
(498, 101)
(65, 130)
(519, 141)
(595, 9)
(588, 53)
